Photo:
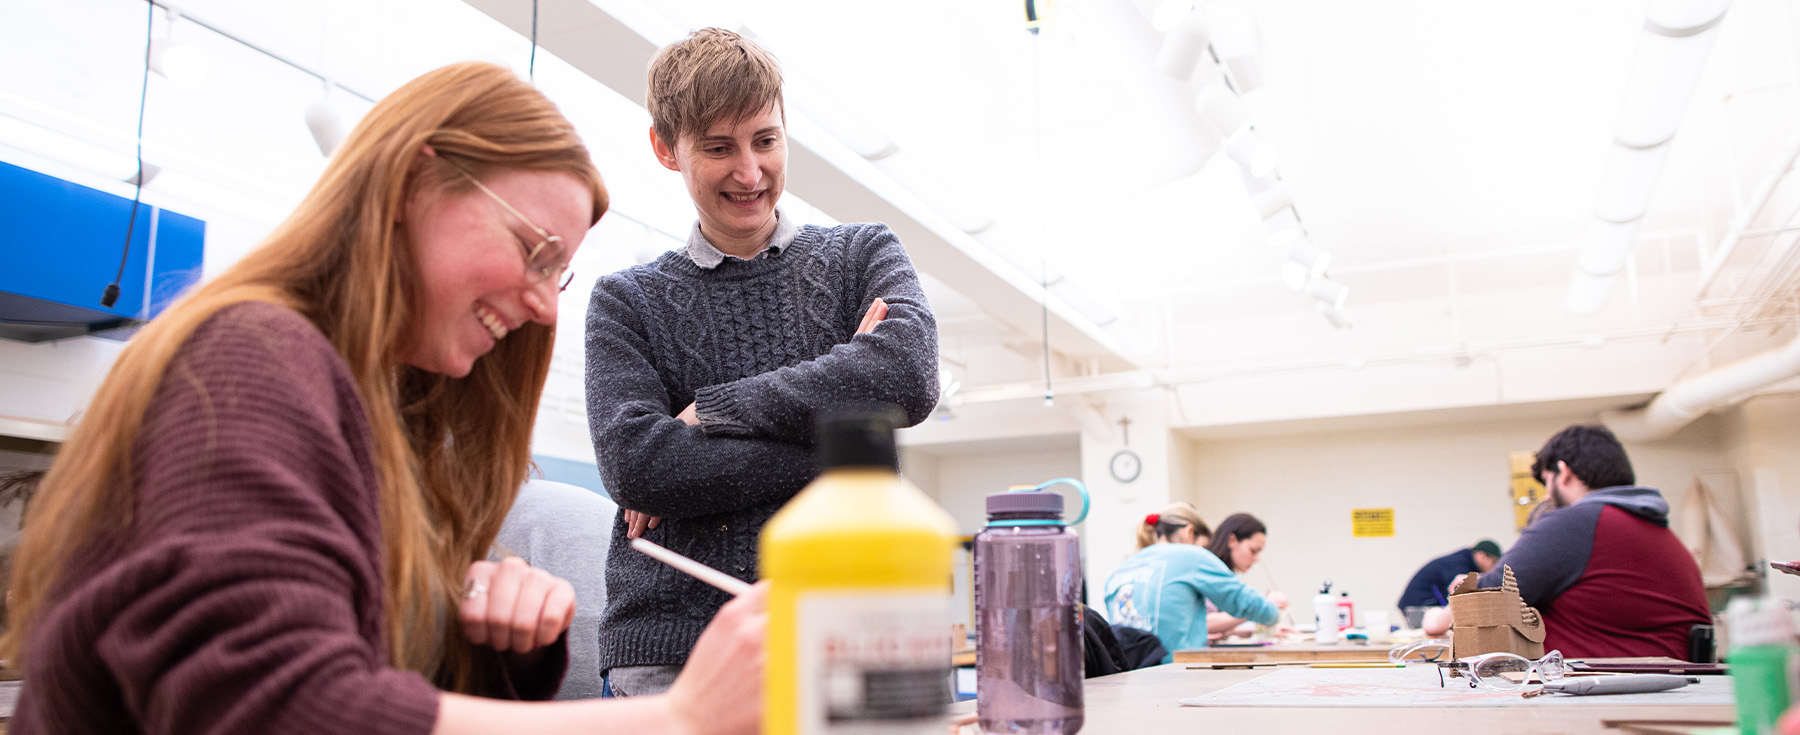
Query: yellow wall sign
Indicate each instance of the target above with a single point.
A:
(1527, 492)
(1372, 522)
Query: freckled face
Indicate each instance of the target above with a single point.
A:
(474, 287)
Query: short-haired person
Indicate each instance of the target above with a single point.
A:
(1430, 584)
(706, 365)
(274, 515)
(1605, 571)
(1164, 587)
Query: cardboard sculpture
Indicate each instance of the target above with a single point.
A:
(1494, 619)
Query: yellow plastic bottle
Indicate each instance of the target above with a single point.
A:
(859, 565)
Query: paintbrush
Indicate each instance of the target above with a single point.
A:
(1274, 588)
(699, 571)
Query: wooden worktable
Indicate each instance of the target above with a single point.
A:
(1283, 652)
(1145, 701)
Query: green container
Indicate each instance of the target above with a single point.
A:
(1759, 676)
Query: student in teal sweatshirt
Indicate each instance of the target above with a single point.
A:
(1165, 586)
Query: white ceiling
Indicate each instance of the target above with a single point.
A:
(1439, 149)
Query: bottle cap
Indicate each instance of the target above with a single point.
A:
(858, 435)
(1037, 504)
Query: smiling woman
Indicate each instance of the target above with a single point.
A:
(291, 476)
(488, 268)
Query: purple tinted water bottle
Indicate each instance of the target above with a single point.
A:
(1028, 663)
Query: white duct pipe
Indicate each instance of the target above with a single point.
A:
(1747, 214)
(1690, 399)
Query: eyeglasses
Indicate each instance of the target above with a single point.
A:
(540, 262)
(1505, 672)
(1428, 650)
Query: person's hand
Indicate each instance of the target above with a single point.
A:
(690, 415)
(877, 312)
(509, 606)
(719, 691)
(957, 722)
(1437, 622)
(1280, 600)
(637, 523)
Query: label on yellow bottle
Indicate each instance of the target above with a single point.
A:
(873, 663)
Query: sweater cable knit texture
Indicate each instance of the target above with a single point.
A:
(758, 346)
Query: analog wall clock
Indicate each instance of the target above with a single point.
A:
(1125, 466)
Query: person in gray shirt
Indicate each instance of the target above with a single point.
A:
(565, 530)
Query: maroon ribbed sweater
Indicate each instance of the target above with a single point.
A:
(246, 596)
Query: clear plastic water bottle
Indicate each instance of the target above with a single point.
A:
(1028, 660)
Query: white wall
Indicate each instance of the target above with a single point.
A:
(1447, 483)
(1765, 433)
(961, 480)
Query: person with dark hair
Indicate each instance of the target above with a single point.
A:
(1428, 587)
(1605, 571)
(1238, 541)
(1165, 587)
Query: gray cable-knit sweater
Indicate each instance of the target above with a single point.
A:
(758, 346)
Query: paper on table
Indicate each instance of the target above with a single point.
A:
(1417, 686)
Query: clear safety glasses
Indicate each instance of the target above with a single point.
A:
(1506, 672)
(1429, 650)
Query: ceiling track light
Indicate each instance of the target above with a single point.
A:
(1184, 46)
(322, 118)
(1169, 14)
(1223, 108)
(1234, 29)
(325, 123)
(183, 64)
(1328, 292)
(1270, 198)
(1256, 155)
(1294, 275)
(1309, 256)
(1340, 319)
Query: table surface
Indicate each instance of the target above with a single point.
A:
(1146, 701)
(1288, 650)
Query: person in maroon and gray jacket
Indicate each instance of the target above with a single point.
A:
(1605, 571)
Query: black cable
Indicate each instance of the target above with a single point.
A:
(110, 296)
(531, 68)
(1037, 107)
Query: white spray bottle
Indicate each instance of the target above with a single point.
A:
(1325, 615)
